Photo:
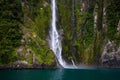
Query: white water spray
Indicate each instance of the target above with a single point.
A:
(73, 64)
(55, 41)
(55, 38)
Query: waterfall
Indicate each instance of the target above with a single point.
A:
(55, 38)
(73, 64)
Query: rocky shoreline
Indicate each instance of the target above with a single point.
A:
(24, 65)
(38, 66)
(110, 58)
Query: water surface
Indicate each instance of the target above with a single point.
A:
(61, 74)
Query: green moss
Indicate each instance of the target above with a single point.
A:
(36, 26)
(80, 42)
(113, 16)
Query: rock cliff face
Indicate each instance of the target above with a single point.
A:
(33, 48)
(35, 31)
(87, 29)
(90, 31)
(110, 57)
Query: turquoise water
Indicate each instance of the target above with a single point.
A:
(61, 74)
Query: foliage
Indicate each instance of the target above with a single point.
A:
(10, 32)
(113, 17)
(81, 42)
(37, 23)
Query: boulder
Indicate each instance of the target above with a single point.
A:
(110, 59)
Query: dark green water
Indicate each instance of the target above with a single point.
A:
(61, 74)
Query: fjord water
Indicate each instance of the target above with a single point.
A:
(61, 74)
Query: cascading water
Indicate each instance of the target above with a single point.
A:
(55, 38)
(55, 41)
(73, 64)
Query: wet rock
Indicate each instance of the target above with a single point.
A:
(20, 51)
(34, 35)
(22, 41)
(35, 61)
(45, 4)
(110, 59)
(28, 52)
(20, 64)
(41, 8)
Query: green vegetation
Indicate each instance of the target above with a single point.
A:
(23, 31)
(35, 28)
(25, 24)
(10, 33)
(77, 39)
(64, 22)
(113, 17)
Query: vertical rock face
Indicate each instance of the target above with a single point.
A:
(82, 43)
(85, 27)
(72, 20)
(35, 49)
(111, 28)
(110, 55)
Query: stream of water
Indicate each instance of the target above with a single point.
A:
(55, 39)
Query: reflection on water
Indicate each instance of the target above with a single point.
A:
(61, 74)
(57, 74)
